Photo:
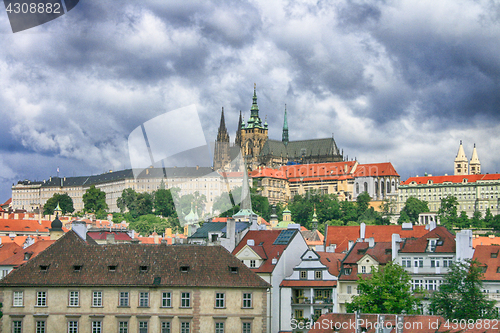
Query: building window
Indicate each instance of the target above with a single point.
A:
(318, 275)
(40, 326)
(17, 326)
(247, 328)
(41, 298)
(166, 299)
(434, 262)
(97, 327)
(303, 275)
(185, 327)
(247, 300)
(185, 300)
(363, 269)
(17, 298)
(220, 300)
(72, 327)
(252, 263)
(219, 327)
(419, 262)
(97, 298)
(143, 299)
(123, 299)
(349, 289)
(143, 327)
(165, 327)
(74, 298)
(123, 327)
(406, 262)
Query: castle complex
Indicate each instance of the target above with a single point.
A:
(258, 150)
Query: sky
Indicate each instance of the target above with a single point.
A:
(397, 81)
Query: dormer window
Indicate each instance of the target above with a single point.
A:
(143, 268)
(27, 255)
(347, 271)
(77, 268)
(112, 268)
(184, 269)
(233, 269)
(494, 254)
(44, 268)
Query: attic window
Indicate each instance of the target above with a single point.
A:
(388, 251)
(439, 243)
(77, 268)
(27, 255)
(494, 254)
(143, 268)
(347, 271)
(112, 268)
(44, 267)
(498, 269)
(233, 269)
(184, 269)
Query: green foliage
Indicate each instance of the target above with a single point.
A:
(94, 200)
(413, 207)
(144, 204)
(65, 203)
(448, 213)
(363, 201)
(462, 221)
(349, 212)
(164, 204)
(387, 291)
(146, 224)
(127, 200)
(460, 295)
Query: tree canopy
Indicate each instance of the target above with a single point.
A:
(460, 295)
(65, 203)
(94, 200)
(388, 290)
(413, 207)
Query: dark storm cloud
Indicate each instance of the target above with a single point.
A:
(393, 80)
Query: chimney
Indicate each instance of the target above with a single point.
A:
(351, 243)
(432, 225)
(396, 239)
(362, 230)
(110, 239)
(464, 245)
(80, 227)
(331, 248)
(250, 242)
(371, 242)
(231, 234)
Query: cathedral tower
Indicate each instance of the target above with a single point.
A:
(253, 135)
(461, 162)
(221, 151)
(284, 136)
(474, 164)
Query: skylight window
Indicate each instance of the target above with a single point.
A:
(184, 269)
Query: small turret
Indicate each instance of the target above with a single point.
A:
(461, 162)
(474, 165)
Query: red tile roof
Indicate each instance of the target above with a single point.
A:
(375, 170)
(485, 241)
(7, 250)
(35, 249)
(269, 173)
(332, 261)
(101, 235)
(341, 235)
(16, 225)
(452, 179)
(263, 240)
(334, 169)
(488, 255)
(419, 245)
(380, 252)
(135, 265)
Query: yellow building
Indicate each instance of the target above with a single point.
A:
(79, 286)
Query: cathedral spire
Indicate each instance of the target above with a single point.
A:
(284, 137)
(222, 135)
(474, 164)
(254, 111)
(461, 162)
(237, 139)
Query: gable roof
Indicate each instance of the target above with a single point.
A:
(33, 250)
(332, 261)
(375, 170)
(102, 235)
(380, 252)
(341, 235)
(206, 228)
(7, 250)
(16, 225)
(300, 148)
(419, 245)
(488, 255)
(265, 246)
(208, 266)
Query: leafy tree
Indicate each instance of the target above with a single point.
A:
(495, 223)
(488, 218)
(460, 295)
(388, 290)
(363, 201)
(164, 204)
(144, 204)
(477, 221)
(65, 203)
(146, 224)
(349, 211)
(448, 212)
(462, 221)
(94, 200)
(127, 200)
(413, 207)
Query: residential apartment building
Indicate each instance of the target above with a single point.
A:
(272, 254)
(489, 260)
(473, 192)
(77, 285)
(311, 290)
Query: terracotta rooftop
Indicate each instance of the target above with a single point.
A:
(485, 241)
(7, 250)
(17, 225)
(341, 235)
(101, 235)
(312, 237)
(375, 170)
(488, 256)
(26, 254)
(332, 261)
(453, 179)
(445, 242)
(265, 247)
(380, 251)
(74, 262)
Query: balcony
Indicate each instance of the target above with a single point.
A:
(322, 300)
